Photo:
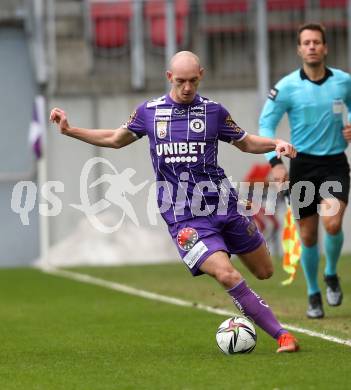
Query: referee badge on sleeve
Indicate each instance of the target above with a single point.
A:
(273, 93)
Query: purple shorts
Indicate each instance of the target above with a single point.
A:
(198, 238)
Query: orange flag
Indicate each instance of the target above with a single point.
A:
(291, 246)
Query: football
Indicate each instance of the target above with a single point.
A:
(236, 335)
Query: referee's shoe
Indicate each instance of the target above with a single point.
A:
(315, 306)
(334, 292)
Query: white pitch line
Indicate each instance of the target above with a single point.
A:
(174, 301)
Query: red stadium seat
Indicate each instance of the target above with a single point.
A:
(111, 23)
(285, 5)
(334, 13)
(155, 12)
(285, 15)
(225, 16)
(225, 6)
(333, 3)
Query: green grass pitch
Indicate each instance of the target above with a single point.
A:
(61, 334)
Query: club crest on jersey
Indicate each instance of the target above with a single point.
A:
(161, 128)
(187, 238)
(197, 125)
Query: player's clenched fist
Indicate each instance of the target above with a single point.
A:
(59, 117)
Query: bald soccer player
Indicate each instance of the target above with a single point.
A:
(195, 198)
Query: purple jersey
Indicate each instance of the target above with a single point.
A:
(184, 146)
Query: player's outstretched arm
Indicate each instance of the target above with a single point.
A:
(256, 144)
(111, 138)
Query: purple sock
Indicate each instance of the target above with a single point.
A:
(254, 307)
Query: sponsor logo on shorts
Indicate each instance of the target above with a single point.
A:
(187, 238)
(251, 228)
(195, 253)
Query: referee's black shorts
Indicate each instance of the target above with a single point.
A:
(317, 170)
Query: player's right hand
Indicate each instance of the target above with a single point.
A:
(59, 117)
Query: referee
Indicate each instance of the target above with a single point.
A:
(315, 98)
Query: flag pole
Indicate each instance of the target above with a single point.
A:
(44, 228)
